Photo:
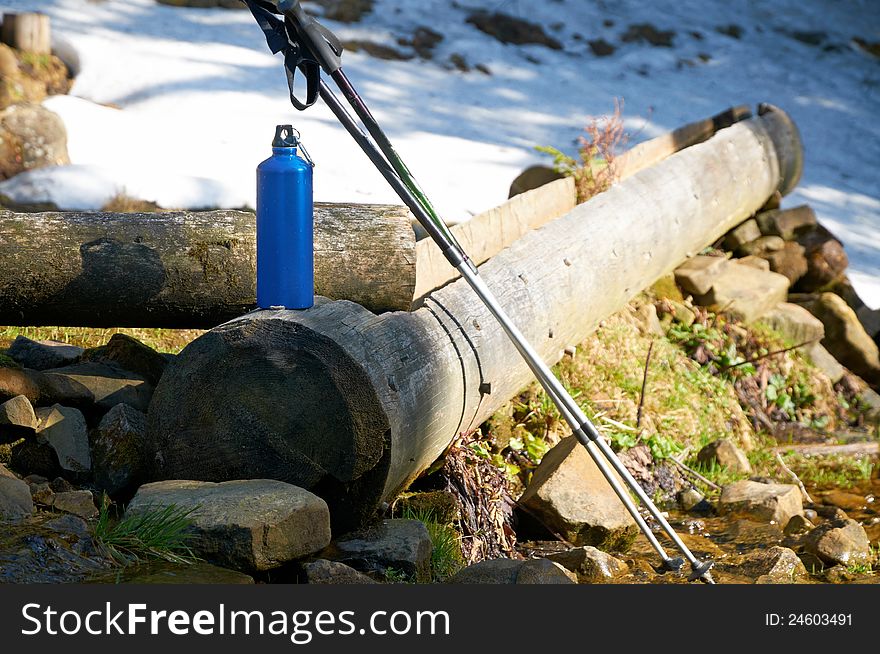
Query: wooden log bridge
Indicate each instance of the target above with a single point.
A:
(354, 406)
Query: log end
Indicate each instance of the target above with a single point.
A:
(788, 144)
(266, 397)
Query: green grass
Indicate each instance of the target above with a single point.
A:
(831, 471)
(162, 340)
(159, 533)
(446, 557)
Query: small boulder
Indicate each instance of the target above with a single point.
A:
(403, 546)
(822, 359)
(130, 354)
(774, 565)
(590, 565)
(15, 499)
(798, 525)
(15, 382)
(846, 338)
(322, 571)
(745, 232)
(745, 292)
(118, 457)
(754, 262)
(61, 444)
(256, 524)
(509, 29)
(787, 223)
(763, 502)
(569, 494)
(510, 571)
(826, 260)
(17, 419)
(789, 262)
(697, 274)
(108, 383)
(36, 136)
(761, 247)
(43, 355)
(78, 502)
(795, 323)
(726, 454)
(839, 541)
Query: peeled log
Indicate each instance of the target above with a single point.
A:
(187, 269)
(353, 406)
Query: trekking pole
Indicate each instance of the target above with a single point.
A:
(310, 48)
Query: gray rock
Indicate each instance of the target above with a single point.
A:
(822, 359)
(846, 338)
(745, 292)
(776, 503)
(78, 502)
(798, 524)
(787, 223)
(256, 524)
(826, 260)
(108, 383)
(510, 571)
(697, 274)
(774, 565)
(590, 564)
(401, 546)
(726, 454)
(64, 429)
(43, 355)
(794, 322)
(790, 261)
(322, 571)
(15, 499)
(130, 354)
(746, 232)
(17, 419)
(761, 247)
(691, 499)
(839, 541)
(36, 134)
(69, 524)
(118, 451)
(569, 494)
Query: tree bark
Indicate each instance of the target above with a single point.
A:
(27, 32)
(354, 406)
(187, 269)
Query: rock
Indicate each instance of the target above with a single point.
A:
(347, 11)
(726, 454)
(647, 33)
(601, 48)
(108, 383)
(762, 246)
(840, 541)
(15, 382)
(745, 292)
(591, 565)
(17, 419)
(15, 499)
(256, 524)
(402, 546)
(61, 389)
(508, 29)
(42, 493)
(870, 318)
(36, 136)
(510, 571)
(774, 565)
(569, 495)
(648, 321)
(119, 459)
(846, 338)
(5, 472)
(666, 288)
(693, 501)
(826, 260)
(822, 359)
(754, 262)
(544, 571)
(682, 314)
(747, 532)
(787, 223)
(42, 355)
(697, 274)
(798, 524)
(69, 524)
(377, 50)
(789, 261)
(764, 502)
(322, 571)
(131, 355)
(745, 232)
(423, 41)
(844, 500)
(870, 405)
(533, 177)
(794, 323)
(79, 502)
(61, 444)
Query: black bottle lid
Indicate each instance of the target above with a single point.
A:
(285, 137)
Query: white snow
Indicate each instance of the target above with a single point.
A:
(195, 95)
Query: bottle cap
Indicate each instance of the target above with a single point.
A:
(285, 137)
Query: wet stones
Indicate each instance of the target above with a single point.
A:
(511, 571)
(590, 564)
(393, 546)
(255, 524)
(841, 541)
(776, 503)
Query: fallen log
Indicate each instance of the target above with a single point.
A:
(187, 269)
(354, 406)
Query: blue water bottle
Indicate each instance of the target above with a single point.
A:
(285, 241)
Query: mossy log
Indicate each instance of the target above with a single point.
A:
(353, 406)
(187, 269)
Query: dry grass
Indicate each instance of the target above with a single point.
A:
(123, 203)
(163, 340)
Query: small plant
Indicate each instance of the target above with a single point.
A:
(446, 556)
(157, 532)
(395, 576)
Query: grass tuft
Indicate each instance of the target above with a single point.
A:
(446, 556)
